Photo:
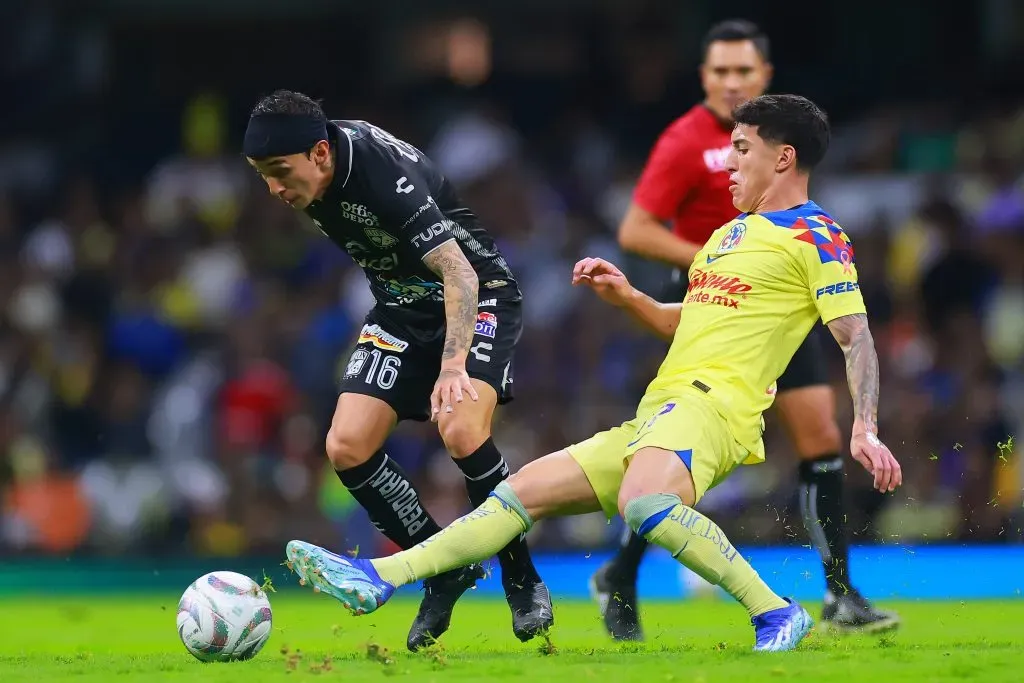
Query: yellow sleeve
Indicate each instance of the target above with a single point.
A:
(832, 282)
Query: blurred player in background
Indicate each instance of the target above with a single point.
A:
(685, 184)
(764, 279)
(438, 344)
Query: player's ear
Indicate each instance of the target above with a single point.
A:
(769, 72)
(320, 152)
(786, 158)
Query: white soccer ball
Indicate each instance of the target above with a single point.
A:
(224, 617)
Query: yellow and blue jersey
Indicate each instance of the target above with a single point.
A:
(756, 289)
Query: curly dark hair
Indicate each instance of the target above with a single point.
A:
(289, 102)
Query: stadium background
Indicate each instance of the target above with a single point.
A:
(169, 334)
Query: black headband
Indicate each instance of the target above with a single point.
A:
(276, 135)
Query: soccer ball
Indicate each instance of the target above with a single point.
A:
(224, 617)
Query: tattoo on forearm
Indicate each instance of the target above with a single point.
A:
(461, 287)
(854, 336)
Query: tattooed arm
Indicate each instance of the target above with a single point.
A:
(461, 286)
(854, 336)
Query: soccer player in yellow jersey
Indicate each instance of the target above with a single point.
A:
(759, 284)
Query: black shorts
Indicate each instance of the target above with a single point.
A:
(808, 367)
(387, 363)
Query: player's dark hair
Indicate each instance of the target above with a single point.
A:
(736, 30)
(289, 102)
(788, 120)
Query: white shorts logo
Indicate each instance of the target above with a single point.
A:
(478, 350)
(356, 362)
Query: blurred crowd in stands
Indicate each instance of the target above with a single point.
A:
(169, 347)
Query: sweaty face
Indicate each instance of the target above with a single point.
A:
(733, 72)
(752, 165)
(295, 179)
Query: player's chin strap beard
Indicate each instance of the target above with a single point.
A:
(276, 135)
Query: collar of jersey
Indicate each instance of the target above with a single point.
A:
(341, 143)
(789, 216)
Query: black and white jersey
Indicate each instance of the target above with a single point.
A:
(388, 207)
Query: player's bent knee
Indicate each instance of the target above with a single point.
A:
(643, 513)
(358, 429)
(626, 496)
(345, 449)
(508, 496)
(656, 471)
(461, 437)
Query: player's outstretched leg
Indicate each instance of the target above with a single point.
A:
(808, 413)
(547, 487)
(361, 424)
(364, 585)
(467, 435)
(697, 542)
(613, 586)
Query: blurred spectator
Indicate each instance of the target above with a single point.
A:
(169, 334)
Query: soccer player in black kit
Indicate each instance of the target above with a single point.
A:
(437, 345)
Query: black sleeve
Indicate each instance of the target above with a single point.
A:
(401, 188)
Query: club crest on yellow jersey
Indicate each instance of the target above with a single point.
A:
(733, 238)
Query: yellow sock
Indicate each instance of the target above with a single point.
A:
(698, 543)
(472, 538)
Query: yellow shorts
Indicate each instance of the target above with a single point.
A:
(684, 421)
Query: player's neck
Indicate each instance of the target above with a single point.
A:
(783, 196)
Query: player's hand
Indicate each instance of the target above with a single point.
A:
(451, 386)
(876, 459)
(604, 278)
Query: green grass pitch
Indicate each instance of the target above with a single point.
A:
(129, 639)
